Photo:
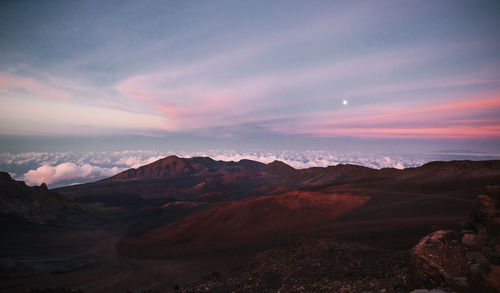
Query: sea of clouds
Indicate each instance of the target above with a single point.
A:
(66, 168)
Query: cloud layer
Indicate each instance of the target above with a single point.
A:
(67, 172)
(63, 168)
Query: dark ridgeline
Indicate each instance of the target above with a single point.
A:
(37, 205)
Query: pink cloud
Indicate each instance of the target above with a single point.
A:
(438, 132)
(191, 103)
(446, 120)
(66, 171)
(16, 85)
(450, 109)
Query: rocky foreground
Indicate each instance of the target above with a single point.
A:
(315, 266)
(446, 260)
(466, 260)
(443, 261)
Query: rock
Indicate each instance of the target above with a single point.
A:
(467, 231)
(495, 258)
(432, 266)
(427, 291)
(43, 186)
(495, 224)
(493, 279)
(486, 251)
(484, 263)
(471, 265)
(475, 241)
(476, 256)
(486, 214)
(475, 270)
(486, 206)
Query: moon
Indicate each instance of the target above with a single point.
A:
(344, 102)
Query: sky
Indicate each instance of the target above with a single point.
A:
(412, 81)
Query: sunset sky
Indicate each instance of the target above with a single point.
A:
(193, 75)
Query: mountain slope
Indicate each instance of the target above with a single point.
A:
(246, 222)
(186, 179)
(402, 202)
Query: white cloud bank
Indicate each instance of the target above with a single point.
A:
(65, 172)
(65, 168)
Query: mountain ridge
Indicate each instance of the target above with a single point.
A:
(174, 166)
(177, 173)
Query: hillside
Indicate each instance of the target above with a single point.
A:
(245, 223)
(174, 220)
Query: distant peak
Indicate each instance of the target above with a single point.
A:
(278, 163)
(167, 167)
(202, 160)
(5, 177)
(166, 160)
(44, 187)
(171, 157)
(278, 167)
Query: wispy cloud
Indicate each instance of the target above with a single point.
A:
(451, 119)
(195, 103)
(20, 86)
(286, 72)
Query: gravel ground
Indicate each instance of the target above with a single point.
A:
(315, 266)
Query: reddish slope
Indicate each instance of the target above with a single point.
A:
(247, 222)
